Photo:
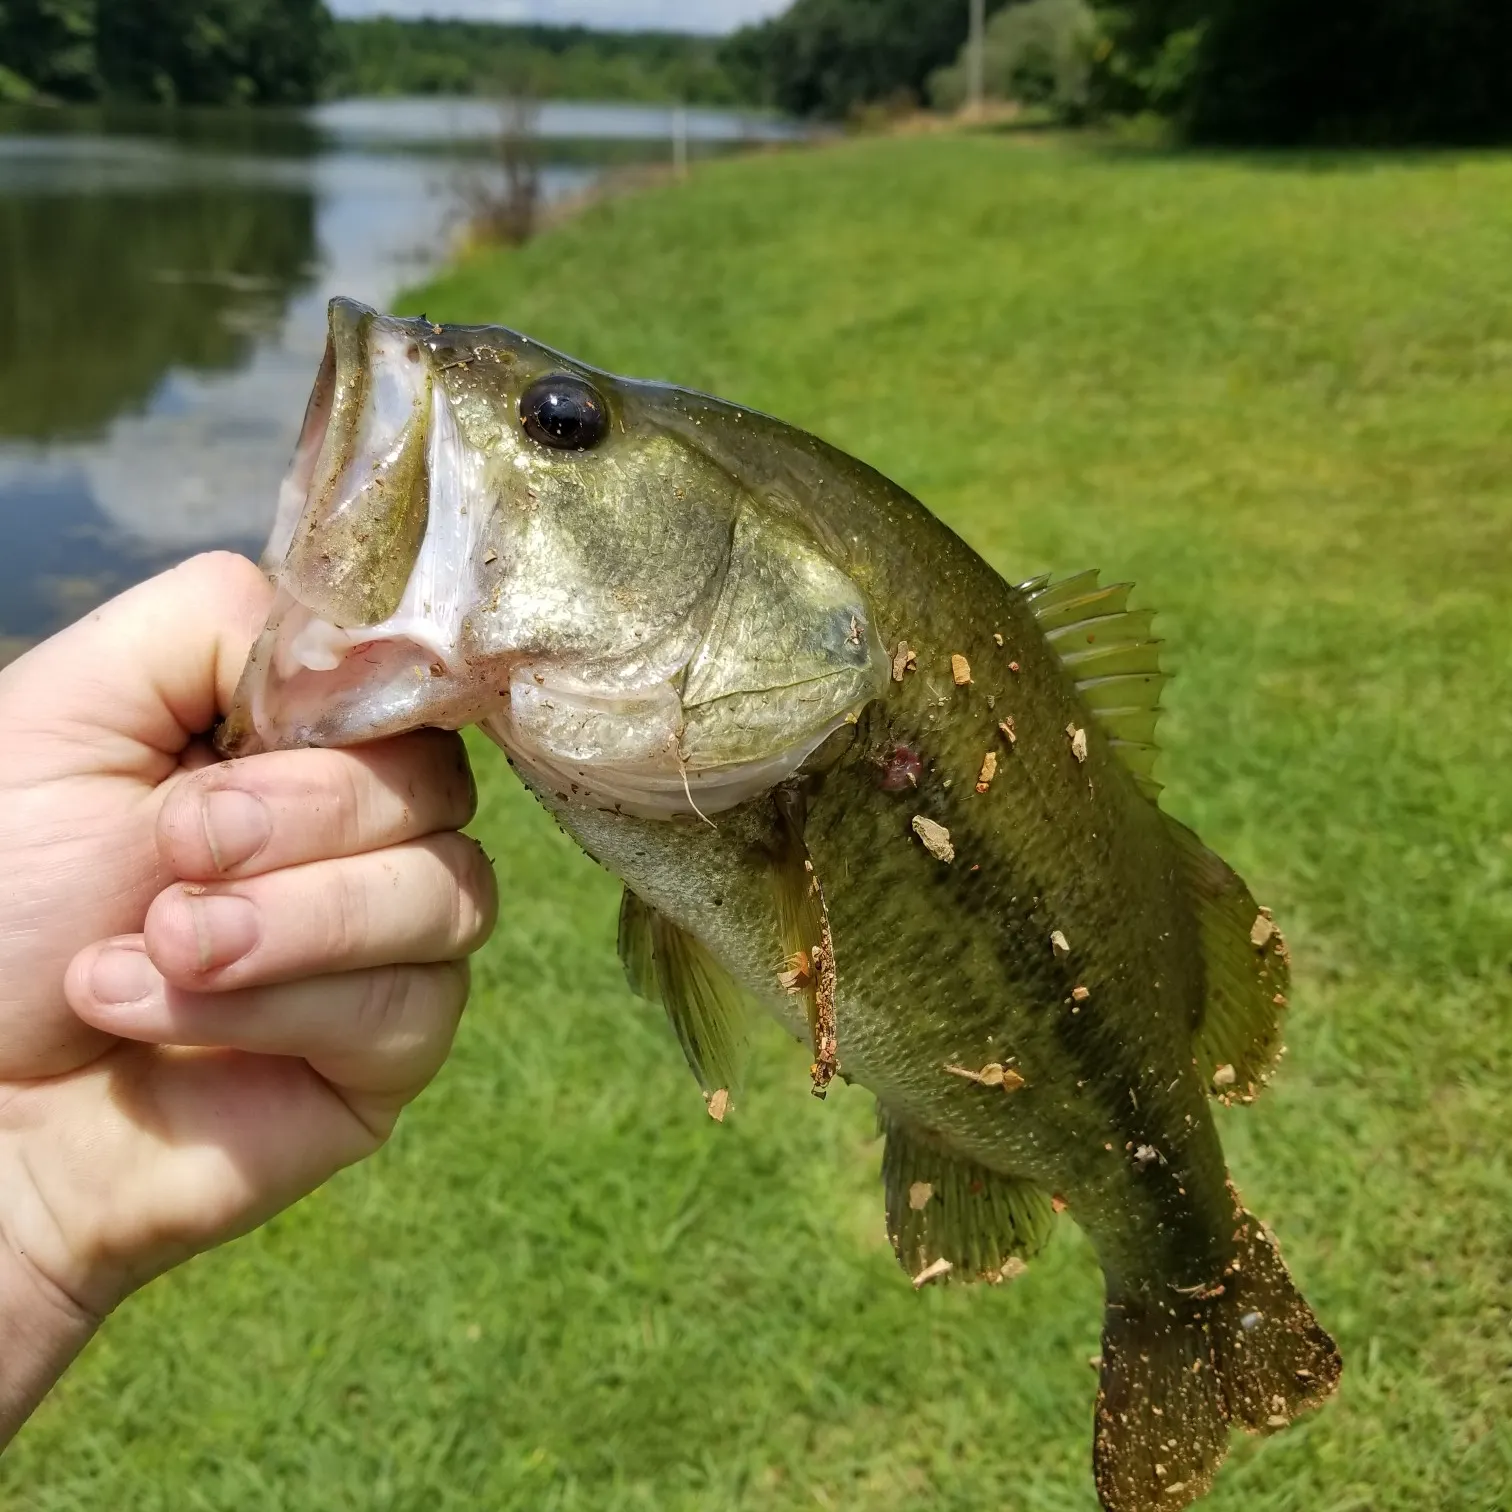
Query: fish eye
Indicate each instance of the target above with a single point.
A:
(563, 412)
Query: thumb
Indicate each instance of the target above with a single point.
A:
(154, 666)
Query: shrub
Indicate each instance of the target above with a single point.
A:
(1037, 53)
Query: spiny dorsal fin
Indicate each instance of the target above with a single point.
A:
(941, 1207)
(1111, 656)
(1247, 971)
(706, 1008)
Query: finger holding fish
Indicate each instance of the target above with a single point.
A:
(428, 900)
(378, 1034)
(287, 808)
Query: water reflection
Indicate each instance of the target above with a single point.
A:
(165, 276)
(107, 291)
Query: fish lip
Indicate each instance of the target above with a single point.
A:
(294, 491)
(353, 512)
(328, 433)
(348, 327)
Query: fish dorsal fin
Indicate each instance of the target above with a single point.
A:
(1246, 968)
(941, 1207)
(707, 1010)
(1112, 658)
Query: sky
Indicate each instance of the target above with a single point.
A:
(664, 15)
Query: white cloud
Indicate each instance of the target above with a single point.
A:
(667, 15)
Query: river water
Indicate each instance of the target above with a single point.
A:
(165, 276)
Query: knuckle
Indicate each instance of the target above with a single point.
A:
(223, 574)
(408, 1016)
(386, 999)
(346, 817)
(348, 913)
(181, 841)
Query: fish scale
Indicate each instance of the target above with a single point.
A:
(760, 683)
(889, 930)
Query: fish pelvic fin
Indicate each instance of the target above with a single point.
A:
(949, 1216)
(1247, 971)
(707, 1009)
(1178, 1370)
(1112, 657)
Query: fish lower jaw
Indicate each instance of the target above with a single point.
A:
(311, 682)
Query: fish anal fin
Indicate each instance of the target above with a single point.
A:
(942, 1207)
(1112, 657)
(707, 1009)
(1247, 972)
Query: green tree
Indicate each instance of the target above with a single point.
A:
(1339, 72)
(48, 47)
(1354, 71)
(827, 57)
(1038, 53)
(203, 52)
(210, 52)
(389, 56)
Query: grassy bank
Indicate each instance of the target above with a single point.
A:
(1276, 394)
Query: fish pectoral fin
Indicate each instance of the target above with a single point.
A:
(1113, 659)
(943, 1207)
(1246, 970)
(707, 1009)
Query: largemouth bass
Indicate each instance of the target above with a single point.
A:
(850, 776)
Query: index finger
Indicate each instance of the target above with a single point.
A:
(286, 808)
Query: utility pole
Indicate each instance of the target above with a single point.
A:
(976, 59)
(680, 141)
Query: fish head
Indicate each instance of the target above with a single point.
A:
(479, 530)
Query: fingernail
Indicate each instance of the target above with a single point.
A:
(225, 929)
(121, 976)
(237, 826)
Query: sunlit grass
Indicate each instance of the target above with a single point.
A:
(1278, 395)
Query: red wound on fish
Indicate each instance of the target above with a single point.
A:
(901, 770)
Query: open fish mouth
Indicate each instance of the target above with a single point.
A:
(373, 552)
(294, 491)
(477, 530)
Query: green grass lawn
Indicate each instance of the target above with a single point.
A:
(1277, 394)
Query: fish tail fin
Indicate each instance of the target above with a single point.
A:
(1273, 1356)
(1162, 1417)
(1177, 1372)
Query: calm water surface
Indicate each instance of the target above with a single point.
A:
(165, 279)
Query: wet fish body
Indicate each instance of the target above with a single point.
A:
(850, 775)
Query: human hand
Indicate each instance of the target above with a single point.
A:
(219, 983)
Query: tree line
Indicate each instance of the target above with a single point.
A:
(387, 56)
(1236, 71)
(216, 52)
(1265, 72)
(189, 52)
